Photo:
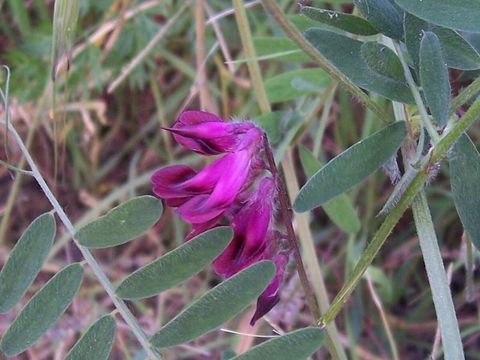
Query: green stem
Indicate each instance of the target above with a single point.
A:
(416, 95)
(466, 95)
(437, 154)
(293, 33)
(249, 49)
(470, 286)
(102, 278)
(437, 277)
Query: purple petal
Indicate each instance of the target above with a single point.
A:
(165, 183)
(204, 133)
(251, 232)
(231, 171)
(270, 297)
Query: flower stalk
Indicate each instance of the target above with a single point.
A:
(286, 213)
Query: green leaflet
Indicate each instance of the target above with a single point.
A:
(217, 306)
(453, 14)
(176, 266)
(458, 52)
(382, 60)
(350, 167)
(434, 77)
(347, 22)
(345, 54)
(97, 342)
(43, 310)
(385, 15)
(339, 209)
(465, 181)
(121, 224)
(26, 260)
(297, 345)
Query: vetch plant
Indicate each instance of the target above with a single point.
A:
(251, 206)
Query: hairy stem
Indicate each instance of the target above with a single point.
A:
(286, 212)
(465, 96)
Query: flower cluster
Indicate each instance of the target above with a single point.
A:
(231, 190)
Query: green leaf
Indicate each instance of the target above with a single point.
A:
(340, 209)
(345, 54)
(351, 167)
(97, 342)
(26, 260)
(382, 60)
(217, 306)
(282, 87)
(272, 46)
(385, 15)
(65, 17)
(43, 310)
(434, 77)
(302, 23)
(176, 266)
(465, 181)
(297, 345)
(458, 52)
(347, 22)
(121, 224)
(453, 14)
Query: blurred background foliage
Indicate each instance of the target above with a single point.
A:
(109, 143)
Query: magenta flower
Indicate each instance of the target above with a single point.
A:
(206, 133)
(251, 232)
(201, 197)
(221, 192)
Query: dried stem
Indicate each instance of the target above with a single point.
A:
(286, 212)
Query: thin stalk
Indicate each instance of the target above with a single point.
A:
(470, 284)
(333, 338)
(248, 48)
(465, 96)
(205, 98)
(416, 95)
(322, 125)
(442, 297)
(434, 156)
(383, 316)
(286, 212)
(294, 34)
(102, 278)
